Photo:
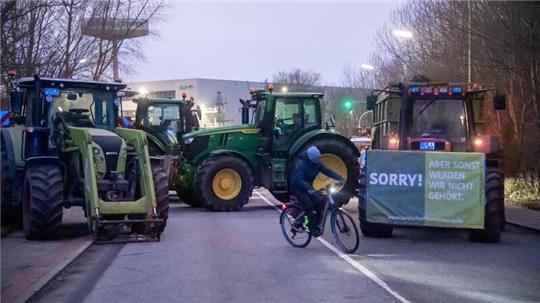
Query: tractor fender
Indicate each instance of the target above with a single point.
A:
(40, 160)
(232, 152)
(320, 133)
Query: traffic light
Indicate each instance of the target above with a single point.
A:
(348, 104)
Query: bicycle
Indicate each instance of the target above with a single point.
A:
(342, 224)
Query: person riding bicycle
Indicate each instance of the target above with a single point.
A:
(304, 173)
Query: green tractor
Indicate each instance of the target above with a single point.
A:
(219, 167)
(444, 117)
(65, 150)
(165, 121)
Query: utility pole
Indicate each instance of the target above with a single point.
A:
(469, 67)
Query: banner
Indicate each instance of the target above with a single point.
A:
(425, 188)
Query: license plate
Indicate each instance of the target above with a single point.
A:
(427, 145)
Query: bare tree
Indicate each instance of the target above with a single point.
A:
(297, 79)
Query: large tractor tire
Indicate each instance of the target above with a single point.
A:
(339, 157)
(494, 209)
(224, 183)
(374, 230)
(43, 202)
(11, 214)
(188, 196)
(161, 188)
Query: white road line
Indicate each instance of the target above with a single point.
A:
(368, 273)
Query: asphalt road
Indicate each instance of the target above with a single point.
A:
(241, 257)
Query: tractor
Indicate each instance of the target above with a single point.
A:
(438, 117)
(65, 149)
(219, 167)
(165, 121)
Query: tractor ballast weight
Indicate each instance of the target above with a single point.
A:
(445, 117)
(67, 151)
(220, 167)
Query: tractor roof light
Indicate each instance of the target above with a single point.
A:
(414, 90)
(456, 90)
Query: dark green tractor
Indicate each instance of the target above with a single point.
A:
(219, 167)
(65, 149)
(165, 121)
(438, 117)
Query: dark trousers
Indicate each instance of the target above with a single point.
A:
(310, 203)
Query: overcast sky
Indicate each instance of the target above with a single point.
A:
(252, 41)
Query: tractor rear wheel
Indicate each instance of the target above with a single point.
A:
(161, 188)
(494, 209)
(43, 202)
(188, 196)
(340, 158)
(11, 213)
(374, 230)
(224, 183)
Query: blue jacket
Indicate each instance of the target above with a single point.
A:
(305, 172)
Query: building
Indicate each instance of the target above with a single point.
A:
(219, 99)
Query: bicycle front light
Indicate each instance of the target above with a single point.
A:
(333, 189)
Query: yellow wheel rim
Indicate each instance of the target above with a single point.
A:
(334, 163)
(226, 184)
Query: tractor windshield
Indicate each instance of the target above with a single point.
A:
(82, 107)
(164, 120)
(439, 118)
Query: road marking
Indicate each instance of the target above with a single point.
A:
(368, 273)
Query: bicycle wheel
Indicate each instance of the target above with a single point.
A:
(345, 231)
(293, 231)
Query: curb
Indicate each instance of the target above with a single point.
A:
(51, 274)
(522, 225)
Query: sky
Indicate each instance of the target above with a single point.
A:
(254, 40)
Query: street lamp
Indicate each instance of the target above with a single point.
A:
(367, 66)
(402, 34)
(83, 61)
(284, 89)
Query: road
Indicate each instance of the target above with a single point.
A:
(241, 257)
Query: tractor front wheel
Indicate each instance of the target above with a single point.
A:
(224, 183)
(43, 202)
(494, 209)
(188, 196)
(161, 188)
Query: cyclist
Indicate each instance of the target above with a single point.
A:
(310, 200)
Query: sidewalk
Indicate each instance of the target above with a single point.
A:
(523, 217)
(28, 265)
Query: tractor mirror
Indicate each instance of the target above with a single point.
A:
(499, 101)
(16, 102)
(370, 102)
(72, 96)
(331, 122)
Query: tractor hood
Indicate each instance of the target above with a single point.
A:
(247, 128)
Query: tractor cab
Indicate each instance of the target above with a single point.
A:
(284, 117)
(431, 117)
(165, 121)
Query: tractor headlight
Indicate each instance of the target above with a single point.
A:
(188, 140)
